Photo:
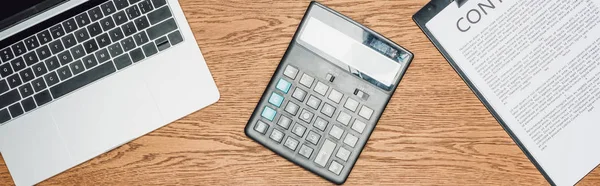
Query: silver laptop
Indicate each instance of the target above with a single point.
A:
(81, 77)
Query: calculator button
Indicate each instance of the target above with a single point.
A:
(276, 135)
(276, 99)
(343, 154)
(313, 102)
(291, 143)
(269, 113)
(358, 126)
(284, 122)
(328, 110)
(366, 112)
(292, 108)
(350, 140)
(351, 104)
(344, 118)
(330, 78)
(299, 94)
(336, 167)
(306, 151)
(321, 88)
(325, 153)
(290, 72)
(335, 96)
(321, 124)
(306, 116)
(361, 94)
(336, 132)
(299, 130)
(307, 80)
(313, 137)
(261, 127)
(284, 86)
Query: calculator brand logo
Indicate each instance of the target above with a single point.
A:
(476, 14)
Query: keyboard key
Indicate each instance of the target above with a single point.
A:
(133, 12)
(140, 38)
(277, 135)
(95, 14)
(82, 20)
(306, 151)
(290, 72)
(90, 46)
(17, 64)
(313, 137)
(351, 104)
(56, 47)
(31, 43)
(335, 96)
(52, 63)
(77, 52)
(299, 130)
(175, 38)
(9, 98)
(108, 8)
(158, 3)
(292, 108)
(64, 73)
(102, 55)
(120, 18)
(90, 61)
(336, 132)
(44, 37)
(343, 154)
(261, 127)
(115, 49)
(128, 44)
(19, 48)
(122, 61)
(137, 55)
(39, 84)
(325, 153)
(6, 54)
(268, 113)
(328, 110)
(284, 122)
(103, 40)
(116, 34)
(120, 4)
(161, 29)
(307, 80)
(344, 118)
(291, 143)
(69, 25)
(336, 167)
(65, 58)
(6, 70)
(26, 90)
(57, 31)
(276, 99)
(313, 102)
(43, 52)
(284, 86)
(299, 94)
(366, 112)
(162, 43)
(51, 78)
(133, 1)
(39, 69)
(77, 67)
(146, 6)
(94, 29)
(27, 75)
(142, 23)
(159, 15)
(14, 81)
(321, 88)
(128, 29)
(4, 116)
(350, 140)
(31, 58)
(28, 104)
(306, 116)
(320, 124)
(3, 86)
(358, 126)
(42, 98)
(150, 49)
(69, 41)
(107, 23)
(83, 79)
(16, 110)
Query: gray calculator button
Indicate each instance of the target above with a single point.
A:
(335, 96)
(351, 104)
(261, 127)
(336, 132)
(336, 167)
(313, 102)
(313, 137)
(366, 112)
(292, 108)
(299, 94)
(358, 126)
(320, 124)
(276, 135)
(344, 118)
(299, 130)
(306, 151)
(306, 116)
(290, 72)
(343, 154)
(321, 88)
(284, 122)
(307, 80)
(350, 140)
(328, 110)
(325, 153)
(291, 143)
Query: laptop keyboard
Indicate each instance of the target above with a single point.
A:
(97, 42)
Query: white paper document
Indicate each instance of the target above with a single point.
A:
(537, 63)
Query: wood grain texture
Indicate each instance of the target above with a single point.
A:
(434, 131)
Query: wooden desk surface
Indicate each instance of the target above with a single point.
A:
(434, 131)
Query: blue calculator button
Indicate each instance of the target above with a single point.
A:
(276, 99)
(269, 113)
(284, 86)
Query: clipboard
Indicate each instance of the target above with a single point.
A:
(421, 18)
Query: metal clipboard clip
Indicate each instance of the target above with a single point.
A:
(461, 2)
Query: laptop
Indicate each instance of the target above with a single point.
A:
(81, 77)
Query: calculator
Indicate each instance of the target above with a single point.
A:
(327, 94)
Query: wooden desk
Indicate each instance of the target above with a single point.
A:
(434, 131)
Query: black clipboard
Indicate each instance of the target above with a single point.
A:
(425, 15)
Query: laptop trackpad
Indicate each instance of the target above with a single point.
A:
(106, 114)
